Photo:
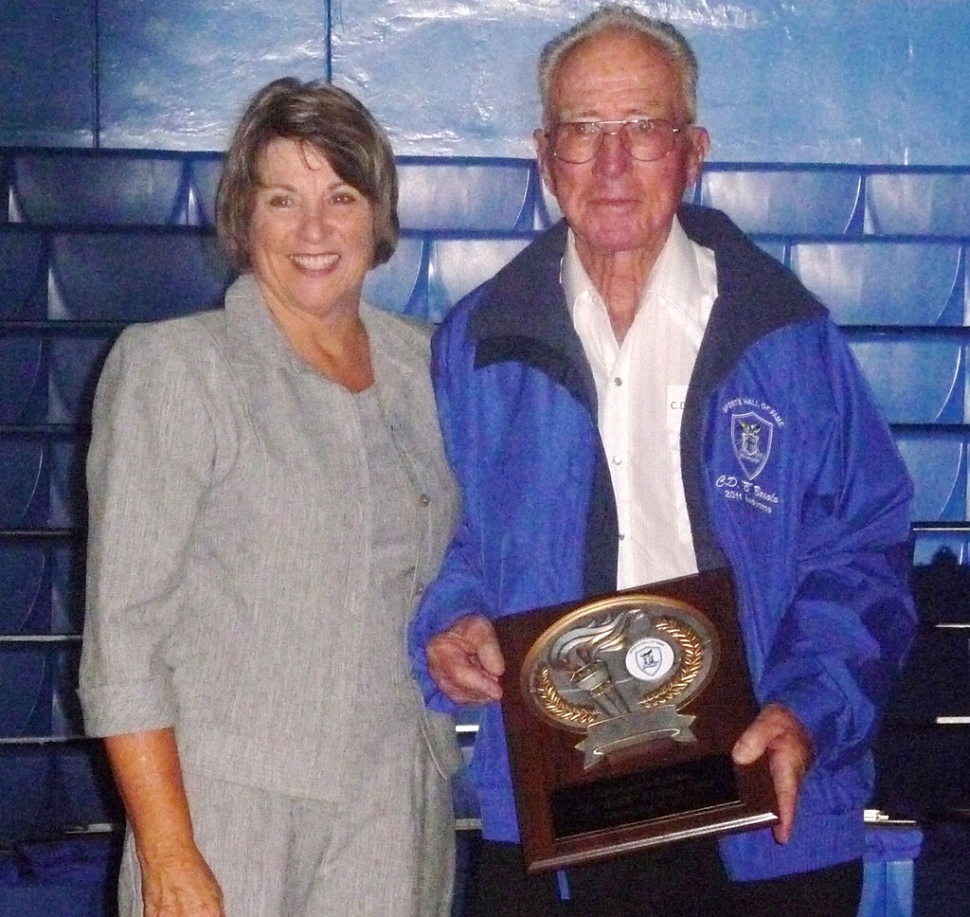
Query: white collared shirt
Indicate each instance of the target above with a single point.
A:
(641, 385)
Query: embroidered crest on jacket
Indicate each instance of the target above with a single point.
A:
(751, 437)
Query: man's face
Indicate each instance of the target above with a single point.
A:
(615, 203)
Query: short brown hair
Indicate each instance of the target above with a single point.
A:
(335, 124)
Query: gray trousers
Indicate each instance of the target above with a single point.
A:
(281, 856)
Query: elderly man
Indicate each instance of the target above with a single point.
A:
(639, 395)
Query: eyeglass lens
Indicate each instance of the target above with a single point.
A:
(645, 140)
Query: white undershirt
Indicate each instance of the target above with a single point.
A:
(650, 371)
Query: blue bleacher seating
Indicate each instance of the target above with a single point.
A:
(23, 273)
(82, 791)
(400, 285)
(26, 686)
(203, 179)
(66, 563)
(884, 282)
(23, 380)
(928, 202)
(458, 265)
(66, 718)
(24, 483)
(81, 188)
(92, 240)
(791, 201)
(135, 276)
(492, 195)
(887, 888)
(938, 466)
(915, 380)
(67, 497)
(27, 778)
(74, 365)
(25, 589)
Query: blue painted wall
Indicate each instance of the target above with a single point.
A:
(863, 81)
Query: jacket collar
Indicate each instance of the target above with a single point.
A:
(255, 339)
(524, 317)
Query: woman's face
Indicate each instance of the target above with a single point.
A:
(311, 235)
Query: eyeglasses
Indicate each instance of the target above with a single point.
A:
(645, 139)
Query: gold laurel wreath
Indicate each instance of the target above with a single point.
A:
(579, 717)
(549, 698)
(691, 661)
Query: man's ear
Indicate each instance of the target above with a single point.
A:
(700, 146)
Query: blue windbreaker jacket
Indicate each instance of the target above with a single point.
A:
(791, 478)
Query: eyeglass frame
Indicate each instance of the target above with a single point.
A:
(675, 130)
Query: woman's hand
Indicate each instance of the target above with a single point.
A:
(176, 880)
(180, 884)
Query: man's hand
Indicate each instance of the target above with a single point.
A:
(465, 661)
(777, 731)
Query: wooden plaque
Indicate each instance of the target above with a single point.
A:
(620, 715)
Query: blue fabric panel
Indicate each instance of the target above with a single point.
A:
(26, 684)
(401, 284)
(80, 188)
(47, 67)
(177, 75)
(459, 265)
(75, 366)
(23, 482)
(25, 606)
(136, 275)
(23, 380)
(23, 273)
(493, 195)
(915, 380)
(884, 282)
(918, 203)
(795, 201)
(938, 466)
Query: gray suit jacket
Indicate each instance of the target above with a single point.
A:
(229, 543)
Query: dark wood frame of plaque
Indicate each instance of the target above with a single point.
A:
(569, 814)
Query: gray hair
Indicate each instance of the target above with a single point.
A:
(614, 17)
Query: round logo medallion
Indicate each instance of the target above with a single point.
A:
(650, 659)
(613, 658)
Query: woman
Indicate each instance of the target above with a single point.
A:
(268, 493)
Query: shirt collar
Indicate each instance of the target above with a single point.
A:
(683, 279)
